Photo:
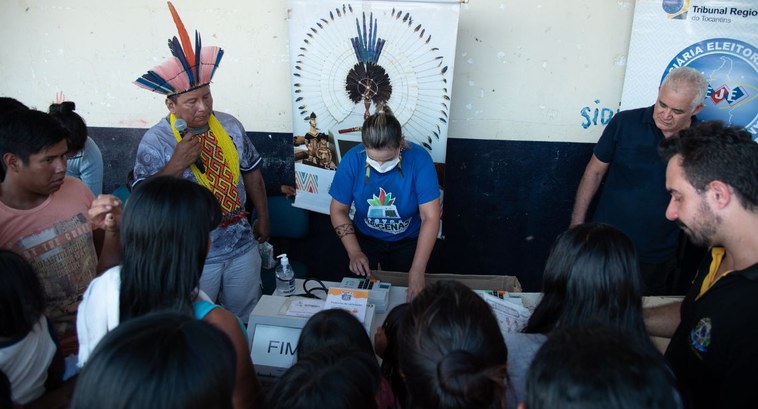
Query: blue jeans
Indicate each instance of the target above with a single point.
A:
(235, 284)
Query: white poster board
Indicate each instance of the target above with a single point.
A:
(718, 38)
(346, 59)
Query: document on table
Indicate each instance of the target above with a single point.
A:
(511, 315)
(352, 300)
(304, 307)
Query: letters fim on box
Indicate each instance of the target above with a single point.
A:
(274, 336)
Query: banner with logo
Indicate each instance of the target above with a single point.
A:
(718, 38)
(349, 58)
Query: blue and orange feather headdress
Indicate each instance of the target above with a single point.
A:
(189, 68)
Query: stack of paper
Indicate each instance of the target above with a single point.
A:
(511, 315)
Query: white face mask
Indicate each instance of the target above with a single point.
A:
(384, 167)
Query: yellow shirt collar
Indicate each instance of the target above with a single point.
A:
(717, 256)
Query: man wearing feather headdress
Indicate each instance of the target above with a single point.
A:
(211, 148)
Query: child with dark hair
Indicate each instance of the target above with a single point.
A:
(333, 327)
(386, 346)
(54, 221)
(334, 377)
(8, 104)
(85, 162)
(591, 276)
(165, 237)
(338, 328)
(161, 360)
(452, 352)
(29, 353)
(598, 367)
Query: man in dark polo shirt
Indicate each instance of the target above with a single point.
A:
(634, 196)
(712, 175)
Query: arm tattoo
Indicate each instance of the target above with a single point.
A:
(344, 229)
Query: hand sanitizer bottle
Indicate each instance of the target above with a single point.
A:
(285, 276)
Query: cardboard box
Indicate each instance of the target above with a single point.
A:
(474, 281)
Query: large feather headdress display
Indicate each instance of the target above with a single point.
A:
(189, 68)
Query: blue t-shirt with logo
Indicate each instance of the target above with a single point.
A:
(386, 204)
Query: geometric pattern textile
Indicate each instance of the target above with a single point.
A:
(219, 176)
(307, 182)
(222, 175)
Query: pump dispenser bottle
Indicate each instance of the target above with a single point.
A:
(285, 276)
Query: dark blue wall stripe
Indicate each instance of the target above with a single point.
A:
(119, 148)
(505, 201)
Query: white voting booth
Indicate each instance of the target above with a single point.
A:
(276, 322)
(274, 333)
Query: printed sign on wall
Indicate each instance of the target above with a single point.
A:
(349, 59)
(718, 38)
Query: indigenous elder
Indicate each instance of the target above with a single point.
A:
(216, 153)
(634, 197)
(393, 185)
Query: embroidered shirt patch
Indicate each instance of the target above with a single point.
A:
(700, 336)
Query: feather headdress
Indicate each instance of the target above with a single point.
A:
(189, 68)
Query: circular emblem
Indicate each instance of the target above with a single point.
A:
(700, 336)
(674, 6)
(731, 68)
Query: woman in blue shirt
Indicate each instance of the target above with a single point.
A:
(393, 184)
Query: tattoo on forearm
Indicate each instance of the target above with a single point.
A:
(344, 229)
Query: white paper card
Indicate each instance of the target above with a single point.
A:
(352, 300)
(304, 307)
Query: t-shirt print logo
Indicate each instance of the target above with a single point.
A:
(382, 206)
(383, 216)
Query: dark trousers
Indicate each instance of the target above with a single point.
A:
(389, 255)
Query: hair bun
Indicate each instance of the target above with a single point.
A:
(456, 371)
(65, 107)
(464, 377)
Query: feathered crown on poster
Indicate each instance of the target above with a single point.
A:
(348, 57)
